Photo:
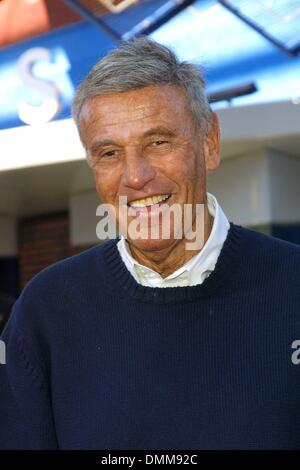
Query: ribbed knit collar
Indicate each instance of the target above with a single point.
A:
(118, 276)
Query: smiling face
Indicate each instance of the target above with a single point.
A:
(143, 144)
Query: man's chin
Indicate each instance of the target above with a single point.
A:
(149, 244)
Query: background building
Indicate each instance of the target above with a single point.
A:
(47, 196)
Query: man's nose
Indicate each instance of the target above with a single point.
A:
(137, 172)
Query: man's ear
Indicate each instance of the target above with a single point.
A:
(211, 145)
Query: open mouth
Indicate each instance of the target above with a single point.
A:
(149, 201)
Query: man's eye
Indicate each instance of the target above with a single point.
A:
(158, 143)
(109, 153)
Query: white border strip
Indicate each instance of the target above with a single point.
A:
(29, 146)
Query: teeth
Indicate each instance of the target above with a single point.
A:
(149, 201)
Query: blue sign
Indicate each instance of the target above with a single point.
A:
(38, 77)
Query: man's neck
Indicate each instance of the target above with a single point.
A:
(168, 260)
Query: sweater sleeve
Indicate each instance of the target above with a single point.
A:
(26, 417)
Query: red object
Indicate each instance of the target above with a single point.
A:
(23, 19)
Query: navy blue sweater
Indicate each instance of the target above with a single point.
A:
(97, 361)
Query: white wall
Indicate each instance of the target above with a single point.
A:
(284, 187)
(258, 188)
(241, 185)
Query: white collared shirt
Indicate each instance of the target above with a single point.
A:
(196, 269)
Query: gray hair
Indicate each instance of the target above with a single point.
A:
(142, 62)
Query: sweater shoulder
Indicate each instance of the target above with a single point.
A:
(59, 291)
(82, 266)
(265, 241)
(260, 248)
(66, 280)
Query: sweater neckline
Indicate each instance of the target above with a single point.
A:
(119, 278)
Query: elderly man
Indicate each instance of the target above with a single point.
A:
(139, 342)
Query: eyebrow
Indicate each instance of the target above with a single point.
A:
(160, 130)
(155, 131)
(101, 143)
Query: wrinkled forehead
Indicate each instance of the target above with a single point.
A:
(111, 113)
(134, 107)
